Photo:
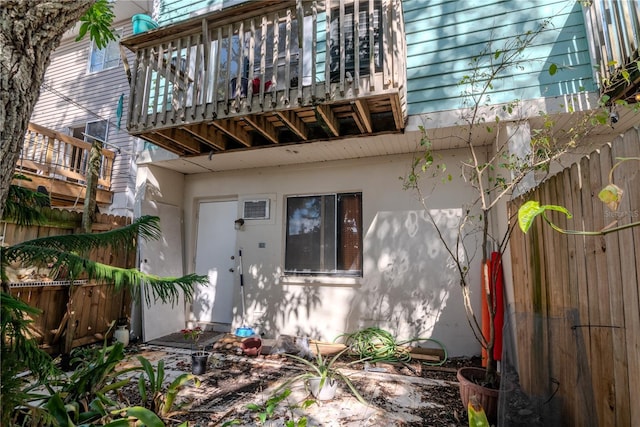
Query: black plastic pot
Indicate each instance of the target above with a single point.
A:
(199, 363)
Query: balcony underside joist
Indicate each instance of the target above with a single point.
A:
(297, 125)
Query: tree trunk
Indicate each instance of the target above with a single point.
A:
(93, 170)
(29, 32)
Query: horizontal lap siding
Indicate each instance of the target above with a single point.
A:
(78, 96)
(171, 11)
(444, 36)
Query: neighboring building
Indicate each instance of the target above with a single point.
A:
(85, 93)
(297, 169)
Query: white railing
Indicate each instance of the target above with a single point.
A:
(288, 55)
(53, 154)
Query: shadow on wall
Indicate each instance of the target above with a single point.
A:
(412, 286)
(277, 304)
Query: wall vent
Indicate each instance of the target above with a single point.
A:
(255, 209)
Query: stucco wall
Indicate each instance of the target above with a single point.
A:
(408, 285)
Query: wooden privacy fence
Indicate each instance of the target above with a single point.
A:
(577, 307)
(93, 306)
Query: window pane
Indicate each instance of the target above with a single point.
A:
(97, 129)
(97, 59)
(310, 242)
(103, 59)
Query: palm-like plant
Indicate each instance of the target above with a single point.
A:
(66, 254)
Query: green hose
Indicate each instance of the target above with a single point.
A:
(377, 345)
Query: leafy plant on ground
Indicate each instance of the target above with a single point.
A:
(326, 370)
(265, 411)
(87, 395)
(152, 389)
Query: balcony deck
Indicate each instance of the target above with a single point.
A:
(58, 163)
(185, 95)
(615, 34)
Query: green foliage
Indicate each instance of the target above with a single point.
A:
(97, 23)
(610, 195)
(265, 411)
(158, 399)
(18, 352)
(476, 414)
(531, 209)
(95, 375)
(377, 345)
(145, 417)
(23, 205)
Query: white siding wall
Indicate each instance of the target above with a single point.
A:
(408, 286)
(77, 96)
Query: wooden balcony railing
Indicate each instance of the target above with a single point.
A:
(58, 162)
(614, 28)
(286, 71)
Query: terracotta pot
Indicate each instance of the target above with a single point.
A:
(251, 346)
(469, 377)
(199, 363)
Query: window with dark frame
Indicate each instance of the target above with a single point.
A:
(324, 235)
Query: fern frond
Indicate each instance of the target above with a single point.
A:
(165, 289)
(147, 227)
(23, 204)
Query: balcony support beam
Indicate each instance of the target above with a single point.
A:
(262, 125)
(208, 135)
(362, 116)
(234, 129)
(328, 120)
(293, 122)
(163, 141)
(182, 138)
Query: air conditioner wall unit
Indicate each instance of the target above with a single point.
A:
(255, 209)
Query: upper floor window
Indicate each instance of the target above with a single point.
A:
(108, 57)
(324, 235)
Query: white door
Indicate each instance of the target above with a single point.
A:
(162, 257)
(216, 258)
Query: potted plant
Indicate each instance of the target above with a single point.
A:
(199, 357)
(323, 376)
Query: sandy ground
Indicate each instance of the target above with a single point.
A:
(401, 396)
